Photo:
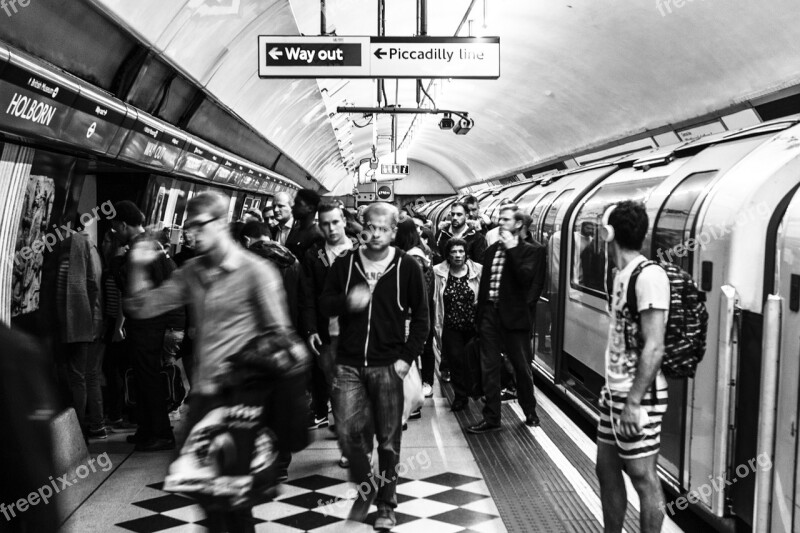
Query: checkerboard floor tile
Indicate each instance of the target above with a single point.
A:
(445, 503)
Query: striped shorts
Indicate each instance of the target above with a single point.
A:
(648, 441)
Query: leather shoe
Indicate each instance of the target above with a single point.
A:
(156, 445)
(532, 420)
(385, 521)
(484, 427)
(458, 405)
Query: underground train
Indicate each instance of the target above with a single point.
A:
(726, 208)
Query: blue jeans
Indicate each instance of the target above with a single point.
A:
(368, 401)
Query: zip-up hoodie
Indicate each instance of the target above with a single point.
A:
(375, 336)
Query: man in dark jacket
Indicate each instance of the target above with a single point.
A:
(476, 242)
(256, 236)
(322, 332)
(503, 317)
(304, 232)
(145, 337)
(373, 290)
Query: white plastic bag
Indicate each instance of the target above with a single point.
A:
(412, 392)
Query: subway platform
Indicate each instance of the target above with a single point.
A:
(519, 479)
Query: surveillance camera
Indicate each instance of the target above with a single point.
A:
(446, 123)
(463, 126)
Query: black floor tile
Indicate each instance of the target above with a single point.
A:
(309, 500)
(463, 517)
(161, 504)
(315, 482)
(456, 497)
(451, 479)
(307, 520)
(151, 524)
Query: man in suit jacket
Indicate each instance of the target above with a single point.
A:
(510, 268)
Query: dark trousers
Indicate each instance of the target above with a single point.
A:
(145, 346)
(114, 365)
(80, 370)
(516, 344)
(370, 400)
(454, 344)
(428, 360)
(320, 389)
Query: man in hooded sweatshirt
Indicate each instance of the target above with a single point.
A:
(373, 290)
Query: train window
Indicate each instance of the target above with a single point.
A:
(549, 225)
(536, 213)
(673, 227)
(590, 268)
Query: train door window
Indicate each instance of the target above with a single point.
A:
(549, 224)
(527, 202)
(590, 266)
(673, 228)
(536, 214)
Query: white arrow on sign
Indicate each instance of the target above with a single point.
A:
(275, 53)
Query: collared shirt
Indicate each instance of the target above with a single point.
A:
(283, 231)
(496, 273)
(230, 304)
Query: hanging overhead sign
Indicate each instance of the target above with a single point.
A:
(378, 57)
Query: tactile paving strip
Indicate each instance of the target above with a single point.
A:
(530, 491)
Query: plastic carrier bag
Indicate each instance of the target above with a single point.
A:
(413, 397)
(229, 458)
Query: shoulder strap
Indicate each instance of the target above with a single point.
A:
(633, 305)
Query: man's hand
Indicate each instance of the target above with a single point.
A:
(143, 253)
(402, 368)
(508, 239)
(313, 342)
(632, 420)
(119, 335)
(358, 298)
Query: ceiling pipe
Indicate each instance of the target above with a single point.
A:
(381, 33)
(422, 30)
(323, 18)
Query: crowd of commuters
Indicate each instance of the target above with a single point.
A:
(371, 293)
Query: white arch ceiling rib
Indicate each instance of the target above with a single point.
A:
(574, 73)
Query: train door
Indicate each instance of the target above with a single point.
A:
(549, 235)
(786, 468)
(673, 226)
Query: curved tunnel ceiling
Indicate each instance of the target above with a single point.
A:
(574, 73)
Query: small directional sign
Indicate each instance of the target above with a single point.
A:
(378, 57)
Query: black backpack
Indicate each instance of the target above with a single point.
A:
(687, 324)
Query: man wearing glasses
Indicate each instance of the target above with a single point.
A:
(233, 296)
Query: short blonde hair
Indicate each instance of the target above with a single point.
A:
(382, 209)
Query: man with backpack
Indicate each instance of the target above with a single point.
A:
(634, 398)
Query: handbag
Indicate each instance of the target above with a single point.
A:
(171, 384)
(413, 397)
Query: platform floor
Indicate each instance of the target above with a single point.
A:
(518, 480)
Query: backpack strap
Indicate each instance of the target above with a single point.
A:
(633, 306)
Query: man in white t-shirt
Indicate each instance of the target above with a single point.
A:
(634, 398)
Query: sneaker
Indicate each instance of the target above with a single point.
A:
(317, 423)
(344, 462)
(508, 394)
(446, 376)
(416, 414)
(427, 390)
(385, 521)
(97, 433)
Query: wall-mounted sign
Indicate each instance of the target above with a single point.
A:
(385, 193)
(378, 57)
(394, 169)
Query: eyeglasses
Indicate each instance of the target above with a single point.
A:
(194, 227)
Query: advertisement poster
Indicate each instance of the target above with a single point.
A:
(28, 259)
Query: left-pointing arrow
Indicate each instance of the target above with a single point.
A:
(379, 53)
(275, 53)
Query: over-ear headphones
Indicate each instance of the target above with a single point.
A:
(606, 229)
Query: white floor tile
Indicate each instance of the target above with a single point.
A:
(193, 513)
(276, 510)
(424, 508)
(492, 526)
(483, 506)
(477, 487)
(424, 526)
(420, 489)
